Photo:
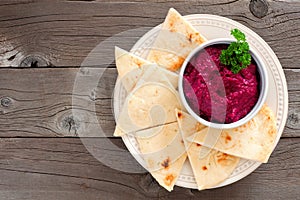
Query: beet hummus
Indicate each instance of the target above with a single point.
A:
(208, 83)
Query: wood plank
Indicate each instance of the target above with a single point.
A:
(38, 102)
(62, 33)
(62, 168)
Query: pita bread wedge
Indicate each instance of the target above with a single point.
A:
(127, 62)
(118, 132)
(131, 68)
(150, 104)
(166, 146)
(176, 39)
(153, 79)
(215, 166)
(168, 176)
(151, 76)
(164, 154)
(253, 140)
(147, 106)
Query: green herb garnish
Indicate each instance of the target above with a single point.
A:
(237, 54)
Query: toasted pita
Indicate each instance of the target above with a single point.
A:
(150, 104)
(254, 140)
(166, 146)
(164, 154)
(149, 115)
(168, 176)
(127, 62)
(147, 106)
(214, 167)
(155, 74)
(151, 75)
(153, 103)
(118, 132)
(131, 68)
(176, 39)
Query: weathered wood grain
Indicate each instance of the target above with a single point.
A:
(61, 168)
(62, 33)
(38, 102)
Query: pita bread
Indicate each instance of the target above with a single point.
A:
(166, 145)
(254, 140)
(149, 115)
(176, 39)
(158, 141)
(215, 166)
(150, 104)
(143, 133)
(151, 76)
(156, 74)
(168, 176)
(118, 132)
(164, 155)
(131, 68)
(127, 62)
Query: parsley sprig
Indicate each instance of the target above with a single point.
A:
(237, 55)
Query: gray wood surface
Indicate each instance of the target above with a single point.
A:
(43, 44)
(61, 168)
(42, 100)
(62, 33)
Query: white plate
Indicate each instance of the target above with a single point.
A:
(212, 26)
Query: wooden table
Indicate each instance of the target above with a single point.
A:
(42, 46)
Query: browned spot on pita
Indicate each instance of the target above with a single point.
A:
(222, 157)
(177, 64)
(182, 141)
(166, 163)
(227, 138)
(198, 145)
(272, 132)
(204, 168)
(183, 45)
(198, 38)
(195, 37)
(155, 55)
(138, 63)
(235, 129)
(172, 19)
(172, 27)
(199, 127)
(179, 115)
(190, 36)
(169, 179)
